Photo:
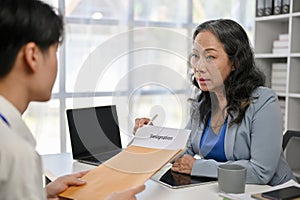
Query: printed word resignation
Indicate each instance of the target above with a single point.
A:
(161, 137)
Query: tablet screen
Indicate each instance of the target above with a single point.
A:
(176, 180)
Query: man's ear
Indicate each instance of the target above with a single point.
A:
(31, 55)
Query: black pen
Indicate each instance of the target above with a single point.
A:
(152, 119)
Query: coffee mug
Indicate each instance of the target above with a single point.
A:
(232, 178)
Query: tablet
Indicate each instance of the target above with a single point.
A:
(178, 180)
(283, 193)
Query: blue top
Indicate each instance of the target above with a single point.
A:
(212, 145)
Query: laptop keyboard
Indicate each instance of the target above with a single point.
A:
(100, 158)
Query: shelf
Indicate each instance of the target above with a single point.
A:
(295, 55)
(294, 95)
(282, 17)
(297, 14)
(267, 30)
(270, 55)
(281, 94)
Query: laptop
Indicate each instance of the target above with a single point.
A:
(94, 133)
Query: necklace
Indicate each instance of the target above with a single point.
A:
(217, 125)
(216, 128)
(218, 119)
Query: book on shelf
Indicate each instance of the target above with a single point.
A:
(283, 36)
(278, 81)
(277, 7)
(280, 43)
(279, 74)
(278, 88)
(279, 66)
(282, 105)
(260, 8)
(268, 7)
(279, 77)
(280, 50)
(282, 108)
(285, 6)
(272, 7)
(281, 46)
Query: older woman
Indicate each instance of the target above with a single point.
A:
(234, 119)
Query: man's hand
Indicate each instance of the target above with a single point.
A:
(128, 194)
(62, 183)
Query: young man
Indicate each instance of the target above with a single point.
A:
(30, 32)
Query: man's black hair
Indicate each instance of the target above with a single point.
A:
(23, 21)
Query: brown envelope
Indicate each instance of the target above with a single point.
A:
(132, 167)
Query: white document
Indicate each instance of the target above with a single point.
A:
(161, 137)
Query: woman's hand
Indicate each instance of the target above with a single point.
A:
(184, 164)
(139, 122)
(62, 183)
(126, 194)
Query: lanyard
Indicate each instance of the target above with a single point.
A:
(4, 119)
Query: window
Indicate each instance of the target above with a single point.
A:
(131, 53)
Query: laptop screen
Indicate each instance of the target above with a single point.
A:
(93, 130)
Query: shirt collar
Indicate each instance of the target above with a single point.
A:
(14, 118)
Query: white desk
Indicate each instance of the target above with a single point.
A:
(56, 165)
